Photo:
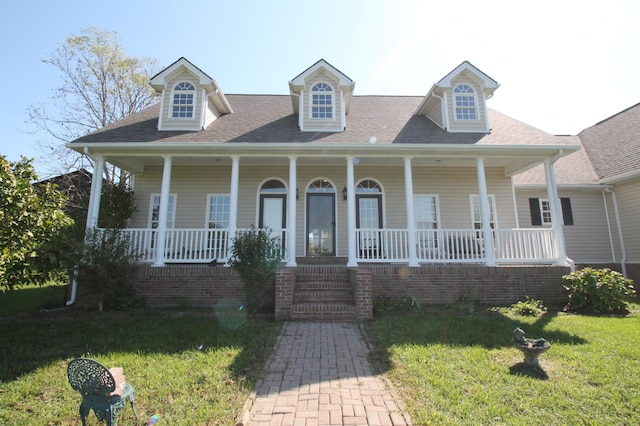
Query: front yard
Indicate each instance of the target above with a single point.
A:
(451, 365)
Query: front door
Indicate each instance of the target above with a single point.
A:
(369, 221)
(272, 214)
(321, 224)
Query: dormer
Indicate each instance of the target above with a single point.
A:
(321, 96)
(457, 103)
(190, 99)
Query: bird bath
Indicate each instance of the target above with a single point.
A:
(531, 348)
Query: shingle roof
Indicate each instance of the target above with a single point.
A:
(270, 118)
(613, 145)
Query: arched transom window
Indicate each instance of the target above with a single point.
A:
(368, 186)
(321, 185)
(466, 102)
(273, 187)
(183, 100)
(321, 101)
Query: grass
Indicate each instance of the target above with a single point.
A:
(452, 365)
(174, 377)
(31, 298)
(457, 366)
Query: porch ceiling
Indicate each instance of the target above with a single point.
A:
(513, 159)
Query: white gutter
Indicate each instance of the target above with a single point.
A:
(606, 213)
(623, 261)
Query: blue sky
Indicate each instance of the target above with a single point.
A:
(563, 65)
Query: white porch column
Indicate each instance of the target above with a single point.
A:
(556, 214)
(161, 235)
(93, 210)
(351, 214)
(489, 251)
(291, 216)
(233, 198)
(411, 219)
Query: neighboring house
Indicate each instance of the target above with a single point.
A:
(379, 183)
(76, 185)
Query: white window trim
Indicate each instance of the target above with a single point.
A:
(193, 104)
(170, 225)
(492, 207)
(206, 218)
(437, 205)
(542, 211)
(474, 108)
(332, 105)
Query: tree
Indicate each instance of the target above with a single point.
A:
(32, 219)
(100, 85)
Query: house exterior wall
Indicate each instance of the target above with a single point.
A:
(628, 197)
(311, 124)
(169, 123)
(478, 125)
(589, 239)
(452, 186)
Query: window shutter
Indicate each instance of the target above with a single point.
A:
(567, 213)
(534, 207)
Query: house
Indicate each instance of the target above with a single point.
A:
(394, 195)
(600, 188)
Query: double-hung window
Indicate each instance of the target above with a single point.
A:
(475, 212)
(321, 101)
(426, 212)
(183, 100)
(154, 213)
(465, 102)
(218, 211)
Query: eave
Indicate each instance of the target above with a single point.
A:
(513, 159)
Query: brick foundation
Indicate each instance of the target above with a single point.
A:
(204, 286)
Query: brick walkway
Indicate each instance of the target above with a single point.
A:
(320, 375)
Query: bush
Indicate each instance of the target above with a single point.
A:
(256, 257)
(528, 307)
(106, 268)
(602, 289)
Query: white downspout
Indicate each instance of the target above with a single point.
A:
(623, 261)
(606, 213)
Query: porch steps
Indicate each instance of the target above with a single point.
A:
(323, 293)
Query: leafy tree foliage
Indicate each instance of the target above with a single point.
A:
(33, 220)
(100, 85)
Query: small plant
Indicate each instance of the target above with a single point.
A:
(383, 304)
(256, 256)
(602, 289)
(528, 307)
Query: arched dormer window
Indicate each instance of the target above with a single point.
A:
(183, 100)
(466, 103)
(321, 101)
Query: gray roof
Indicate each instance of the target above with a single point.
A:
(613, 145)
(270, 118)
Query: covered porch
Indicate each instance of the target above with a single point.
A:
(384, 243)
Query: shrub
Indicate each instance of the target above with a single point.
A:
(528, 307)
(106, 267)
(602, 289)
(256, 257)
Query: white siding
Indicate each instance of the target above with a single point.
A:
(628, 195)
(467, 125)
(334, 124)
(191, 184)
(170, 123)
(588, 239)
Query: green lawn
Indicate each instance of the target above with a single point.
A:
(452, 365)
(159, 351)
(458, 367)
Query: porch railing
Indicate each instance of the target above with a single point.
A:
(192, 245)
